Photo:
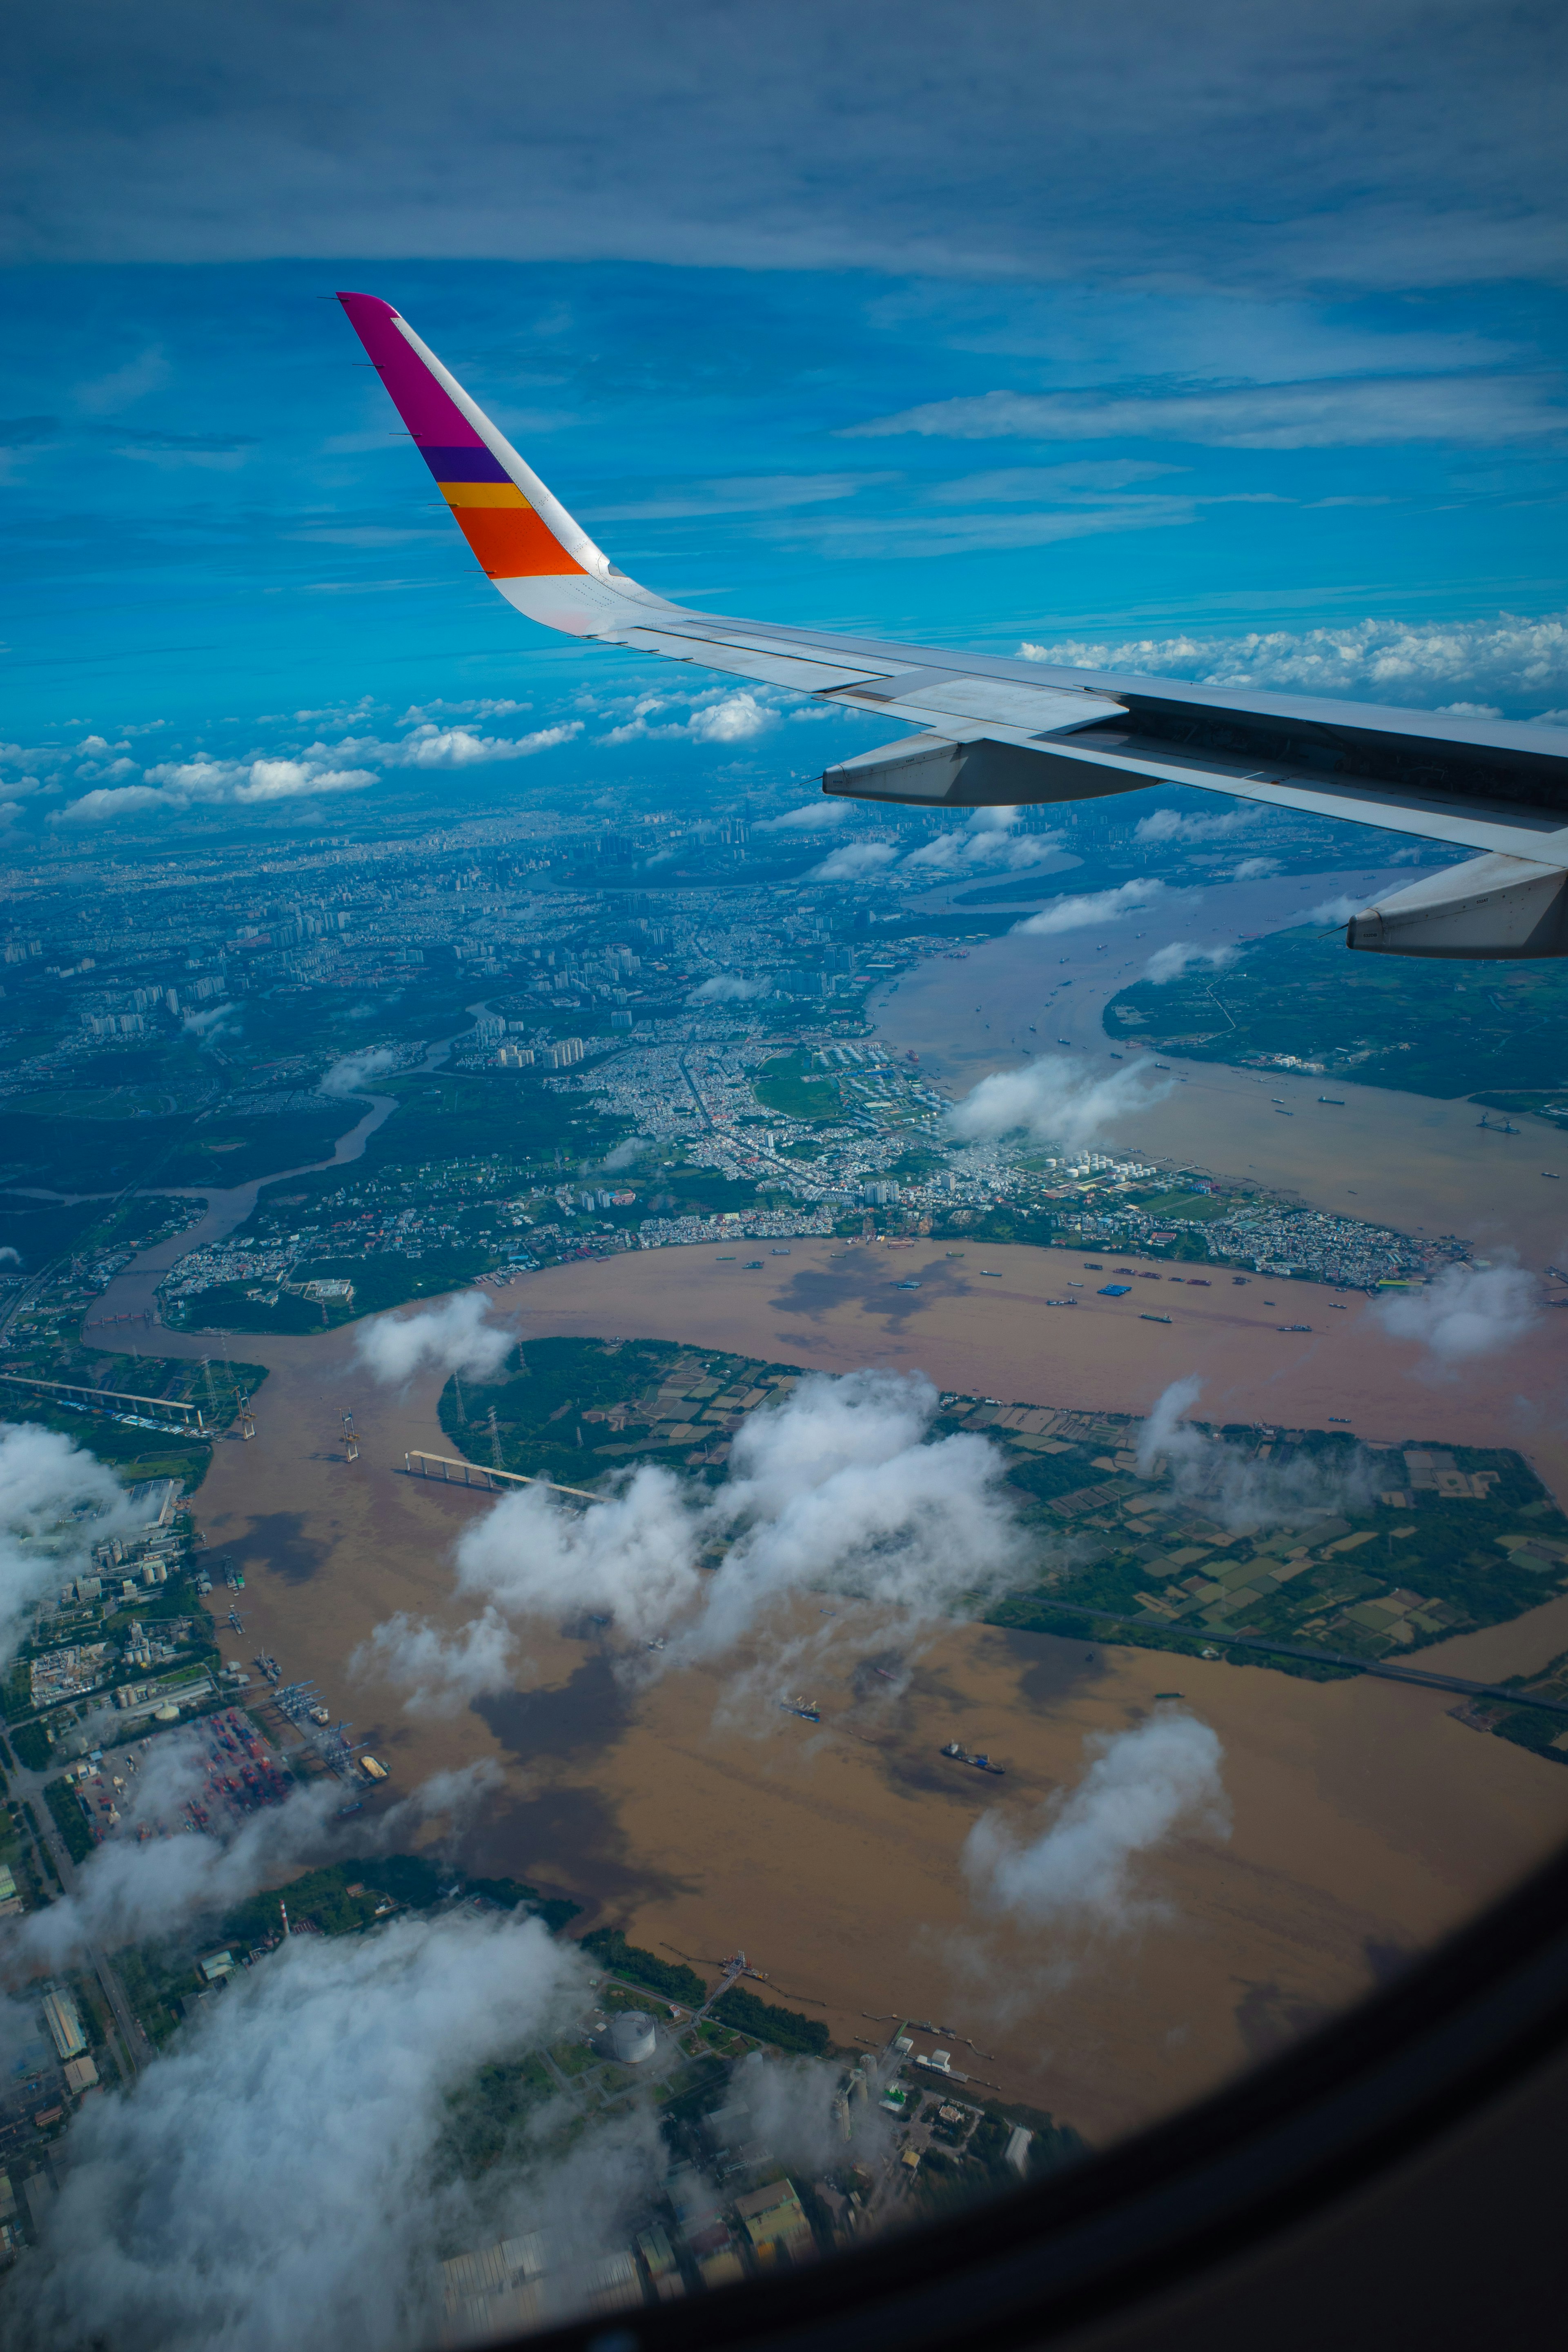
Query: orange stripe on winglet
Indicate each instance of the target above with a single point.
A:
(512, 543)
(481, 494)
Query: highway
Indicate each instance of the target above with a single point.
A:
(1426, 1677)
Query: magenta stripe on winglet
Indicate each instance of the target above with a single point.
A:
(418, 399)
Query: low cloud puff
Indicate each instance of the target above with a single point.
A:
(838, 1487)
(127, 1891)
(1468, 1311)
(354, 1072)
(275, 2177)
(1055, 1100)
(1229, 1487)
(56, 1501)
(814, 817)
(728, 718)
(852, 860)
(1336, 911)
(1095, 907)
(1170, 962)
(1142, 1787)
(1169, 824)
(728, 988)
(455, 1337)
(990, 837)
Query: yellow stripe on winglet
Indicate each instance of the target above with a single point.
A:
(481, 494)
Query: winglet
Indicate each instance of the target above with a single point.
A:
(540, 559)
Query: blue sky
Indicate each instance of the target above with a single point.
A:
(1212, 392)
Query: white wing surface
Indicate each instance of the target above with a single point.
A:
(991, 731)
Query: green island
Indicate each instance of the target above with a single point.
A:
(1295, 1000)
(1413, 1543)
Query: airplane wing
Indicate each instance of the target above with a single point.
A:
(998, 732)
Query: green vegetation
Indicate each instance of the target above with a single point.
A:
(1378, 1579)
(486, 2115)
(31, 1742)
(388, 1278)
(226, 1150)
(462, 1115)
(69, 1820)
(153, 1987)
(670, 1979)
(347, 1895)
(789, 1085)
(40, 1231)
(1427, 1027)
(554, 1416)
(765, 2020)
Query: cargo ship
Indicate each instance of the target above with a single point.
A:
(981, 1763)
(806, 1708)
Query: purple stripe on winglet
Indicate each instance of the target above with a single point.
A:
(463, 465)
(429, 414)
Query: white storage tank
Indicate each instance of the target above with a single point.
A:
(631, 2036)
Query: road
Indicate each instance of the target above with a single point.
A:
(136, 2050)
(1383, 1668)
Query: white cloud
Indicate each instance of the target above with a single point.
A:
(1094, 907)
(104, 395)
(815, 816)
(455, 1337)
(206, 782)
(1468, 1311)
(854, 858)
(129, 1889)
(839, 1488)
(56, 1501)
(1142, 1787)
(1170, 962)
(1509, 660)
(1471, 408)
(740, 494)
(448, 748)
(728, 988)
(442, 1671)
(731, 716)
(1169, 824)
(208, 1027)
(1228, 1485)
(1255, 869)
(353, 1073)
(421, 713)
(1055, 1100)
(735, 720)
(275, 2176)
(1333, 911)
(632, 1557)
(989, 839)
(1468, 710)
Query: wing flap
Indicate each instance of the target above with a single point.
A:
(935, 695)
